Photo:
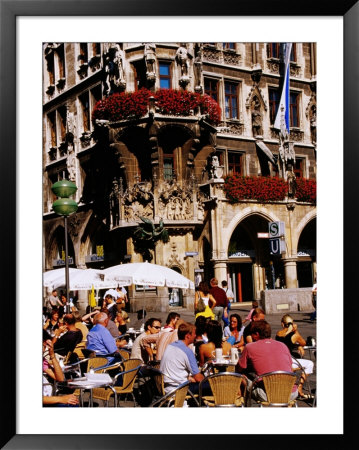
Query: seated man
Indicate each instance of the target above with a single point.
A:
(178, 363)
(264, 355)
(152, 326)
(68, 341)
(100, 340)
(258, 314)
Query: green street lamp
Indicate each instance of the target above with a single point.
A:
(64, 206)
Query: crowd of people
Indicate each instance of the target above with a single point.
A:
(181, 350)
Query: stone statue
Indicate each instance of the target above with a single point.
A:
(114, 70)
(197, 68)
(292, 184)
(182, 58)
(150, 58)
(216, 171)
(256, 117)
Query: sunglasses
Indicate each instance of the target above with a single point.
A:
(288, 324)
(157, 328)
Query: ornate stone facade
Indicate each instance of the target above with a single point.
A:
(171, 169)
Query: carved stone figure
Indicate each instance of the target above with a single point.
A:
(292, 184)
(197, 68)
(150, 58)
(256, 117)
(182, 58)
(71, 163)
(114, 70)
(216, 171)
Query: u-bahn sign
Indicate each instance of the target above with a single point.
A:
(276, 229)
(276, 246)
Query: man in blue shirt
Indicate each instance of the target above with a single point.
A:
(178, 363)
(100, 339)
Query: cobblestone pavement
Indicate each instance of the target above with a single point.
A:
(305, 325)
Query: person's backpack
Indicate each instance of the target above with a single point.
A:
(201, 306)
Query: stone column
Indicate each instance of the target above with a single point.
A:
(290, 273)
(220, 271)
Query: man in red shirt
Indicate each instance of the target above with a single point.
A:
(221, 300)
(264, 355)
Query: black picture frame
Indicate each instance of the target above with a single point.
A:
(10, 9)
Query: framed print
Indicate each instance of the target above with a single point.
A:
(24, 27)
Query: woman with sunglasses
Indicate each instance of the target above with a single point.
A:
(291, 337)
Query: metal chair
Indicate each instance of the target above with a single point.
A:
(175, 398)
(277, 387)
(226, 390)
(129, 373)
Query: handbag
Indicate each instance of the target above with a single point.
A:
(201, 306)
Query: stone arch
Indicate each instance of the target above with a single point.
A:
(238, 218)
(56, 235)
(300, 227)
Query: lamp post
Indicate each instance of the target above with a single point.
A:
(64, 206)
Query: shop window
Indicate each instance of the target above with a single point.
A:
(231, 100)
(165, 75)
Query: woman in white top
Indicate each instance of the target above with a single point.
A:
(208, 300)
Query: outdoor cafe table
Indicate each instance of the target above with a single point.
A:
(222, 364)
(84, 384)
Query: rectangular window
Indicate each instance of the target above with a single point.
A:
(231, 100)
(61, 59)
(139, 69)
(294, 109)
(165, 75)
(62, 122)
(168, 166)
(273, 50)
(52, 127)
(83, 56)
(96, 48)
(293, 53)
(298, 168)
(235, 163)
(274, 100)
(211, 88)
(50, 68)
(229, 46)
(85, 110)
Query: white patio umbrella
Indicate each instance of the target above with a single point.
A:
(147, 274)
(79, 279)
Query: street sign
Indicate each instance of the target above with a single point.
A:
(191, 253)
(276, 246)
(276, 229)
(61, 262)
(262, 235)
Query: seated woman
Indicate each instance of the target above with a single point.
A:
(208, 299)
(201, 334)
(215, 340)
(291, 337)
(234, 332)
(52, 323)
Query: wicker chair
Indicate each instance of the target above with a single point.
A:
(130, 369)
(174, 398)
(278, 388)
(226, 390)
(124, 353)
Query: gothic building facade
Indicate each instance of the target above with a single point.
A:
(135, 152)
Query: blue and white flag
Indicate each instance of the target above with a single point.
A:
(282, 119)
